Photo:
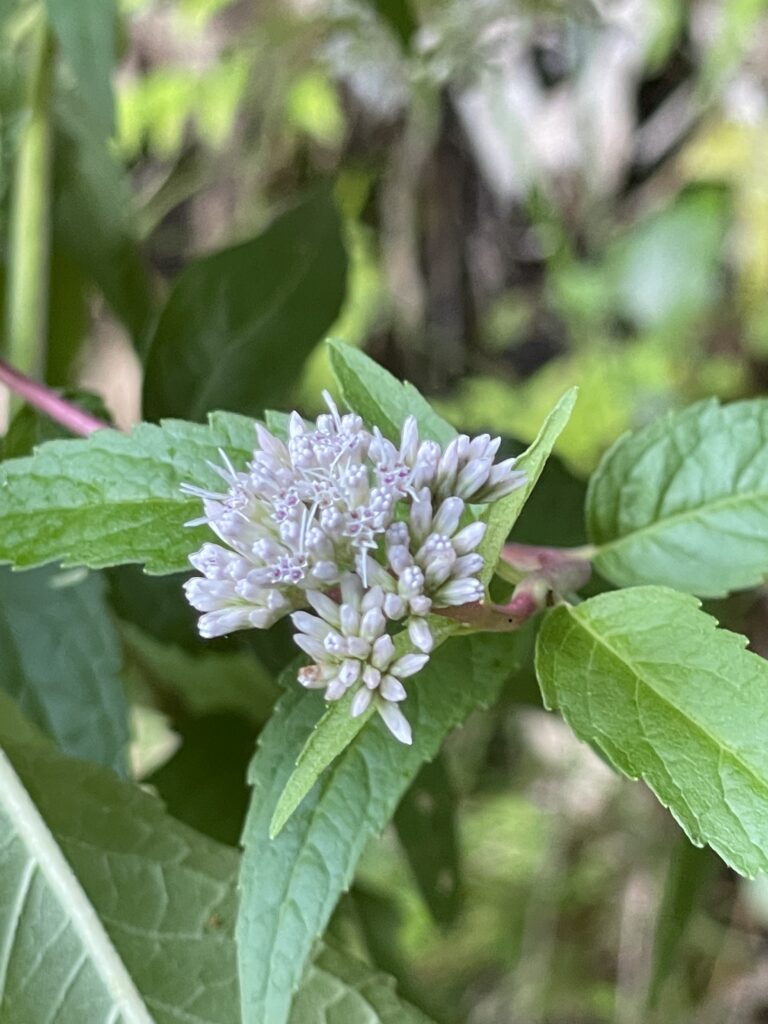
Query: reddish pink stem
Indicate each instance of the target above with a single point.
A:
(47, 401)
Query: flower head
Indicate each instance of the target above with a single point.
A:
(338, 509)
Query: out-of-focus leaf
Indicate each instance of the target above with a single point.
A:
(644, 676)
(204, 783)
(67, 319)
(85, 32)
(399, 16)
(667, 267)
(61, 661)
(554, 512)
(115, 498)
(109, 909)
(206, 682)
(93, 221)
(174, 621)
(239, 324)
(684, 502)
(426, 827)
(502, 515)
(30, 428)
(381, 399)
(290, 885)
(690, 871)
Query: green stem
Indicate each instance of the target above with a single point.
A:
(27, 296)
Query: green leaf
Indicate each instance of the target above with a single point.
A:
(85, 32)
(400, 17)
(109, 910)
(646, 677)
(502, 515)
(93, 219)
(290, 885)
(381, 399)
(331, 734)
(426, 827)
(115, 498)
(684, 502)
(239, 324)
(61, 661)
(340, 990)
(689, 876)
(335, 731)
(208, 682)
(212, 801)
(68, 319)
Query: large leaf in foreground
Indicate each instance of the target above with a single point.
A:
(109, 910)
(61, 661)
(684, 502)
(502, 515)
(239, 323)
(381, 399)
(115, 498)
(426, 825)
(290, 885)
(648, 678)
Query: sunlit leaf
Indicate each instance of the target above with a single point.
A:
(115, 498)
(646, 677)
(381, 399)
(502, 515)
(684, 502)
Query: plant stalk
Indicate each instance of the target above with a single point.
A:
(47, 401)
(29, 244)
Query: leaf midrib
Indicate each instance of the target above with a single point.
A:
(667, 702)
(660, 525)
(63, 884)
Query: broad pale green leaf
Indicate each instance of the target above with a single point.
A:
(502, 515)
(109, 910)
(115, 498)
(290, 885)
(239, 324)
(647, 677)
(380, 398)
(61, 661)
(340, 990)
(85, 32)
(426, 827)
(335, 731)
(684, 502)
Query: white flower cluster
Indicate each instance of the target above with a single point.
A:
(364, 532)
